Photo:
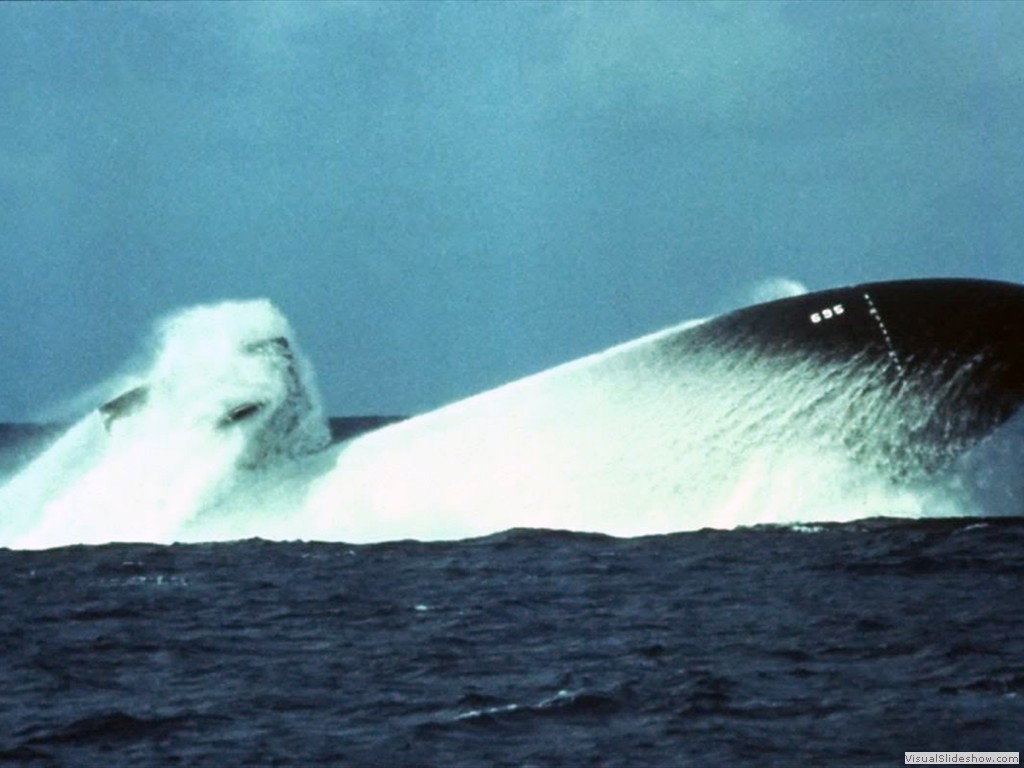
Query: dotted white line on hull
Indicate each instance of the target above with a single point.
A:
(873, 311)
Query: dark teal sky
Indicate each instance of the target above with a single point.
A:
(445, 196)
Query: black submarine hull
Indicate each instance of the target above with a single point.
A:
(951, 347)
(948, 351)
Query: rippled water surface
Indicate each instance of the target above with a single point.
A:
(833, 645)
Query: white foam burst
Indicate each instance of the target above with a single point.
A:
(620, 443)
(653, 436)
(145, 465)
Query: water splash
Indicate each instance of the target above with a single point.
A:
(222, 436)
(623, 444)
(761, 292)
(226, 395)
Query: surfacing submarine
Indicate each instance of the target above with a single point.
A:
(823, 406)
(955, 344)
(882, 399)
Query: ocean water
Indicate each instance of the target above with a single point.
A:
(836, 644)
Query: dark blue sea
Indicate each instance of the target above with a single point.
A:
(834, 644)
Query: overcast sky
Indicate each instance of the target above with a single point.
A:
(442, 197)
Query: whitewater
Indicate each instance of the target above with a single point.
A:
(221, 435)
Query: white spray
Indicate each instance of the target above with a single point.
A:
(226, 395)
(223, 437)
